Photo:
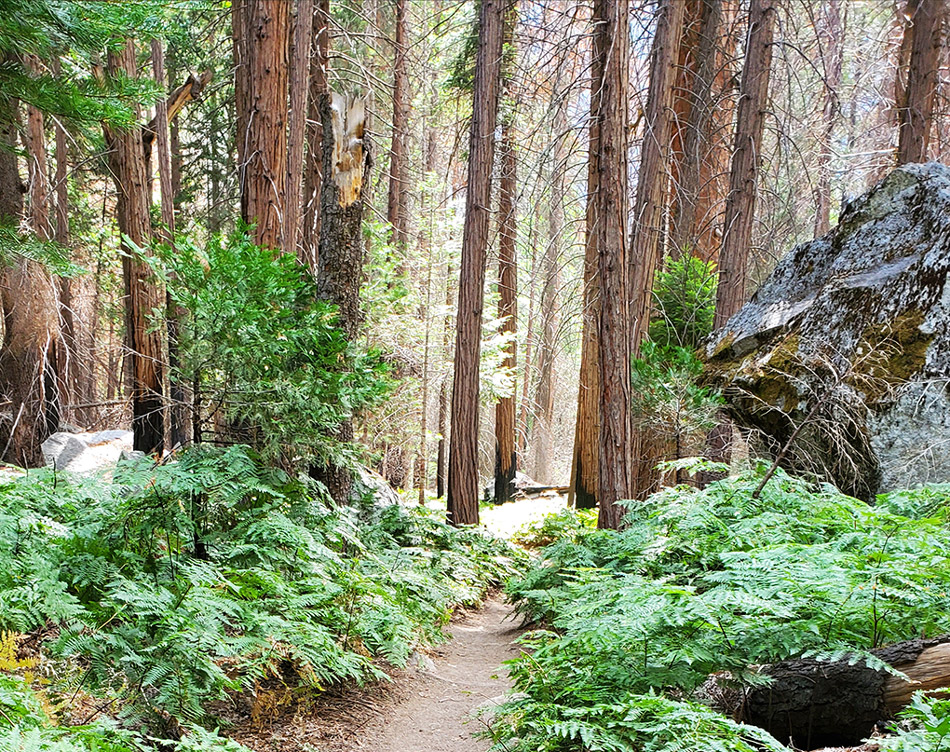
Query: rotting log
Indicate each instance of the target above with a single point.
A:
(814, 704)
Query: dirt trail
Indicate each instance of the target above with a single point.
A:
(465, 672)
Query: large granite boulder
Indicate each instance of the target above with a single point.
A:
(845, 348)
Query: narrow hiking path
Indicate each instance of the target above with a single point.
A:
(426, 708)
(466, 672)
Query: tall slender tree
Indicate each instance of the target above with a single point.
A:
(585, 465)
(746, 159)
(462, 500)
(616, 470)
(313, 169)
(296, 131)
(127, 161)
(397, 211)
(923, 26)
(649, 210)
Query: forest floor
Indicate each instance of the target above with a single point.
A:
(427, 707)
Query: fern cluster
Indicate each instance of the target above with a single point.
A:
(175, 583)
(716, 581)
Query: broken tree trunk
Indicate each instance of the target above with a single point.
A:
(816, 704)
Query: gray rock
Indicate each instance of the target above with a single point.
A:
(849, 338)
(86, 452)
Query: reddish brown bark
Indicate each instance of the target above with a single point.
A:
(296, 135)
(743, 178)
(127, 161)
(585, 465)
(506, 464)
(313, 171)
(462, 500)
(616, 470)
(915, 112)
(263, 190)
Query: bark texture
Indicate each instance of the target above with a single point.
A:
(616, 470)
(28, 306)
(585, 464)
(263, 188)
(296, 132)
(127, 160)
(397, 206)
(915, 114)
(340, 267)
(506, 464)
(649, 216)
(313, 171)
(743, 178)
(462, 500)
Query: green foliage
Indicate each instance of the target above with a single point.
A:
(684, 299)
(667, 401)
(924, 727)
(257, 345)
(563, 525)
(177, 582)
(714, 580)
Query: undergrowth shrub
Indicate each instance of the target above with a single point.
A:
(707, 581)
(177, 582)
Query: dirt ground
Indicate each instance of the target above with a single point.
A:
(426, 708)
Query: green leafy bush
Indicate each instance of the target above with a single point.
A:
(715, 580)
(684, 303)
(565, 524)
(177, 582)
(924, 727)
(258, 349)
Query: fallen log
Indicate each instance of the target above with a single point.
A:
(811, 704)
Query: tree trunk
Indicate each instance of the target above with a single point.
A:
(830, 37)
(743, 178)
(550, 272)
(915, 113)
(313, 172)
(697, 196)
(397, 207)
(299, 90)
(340, 268)
(616, 471)
(127, 156)
(818, 704)
(178, 422)
(506, 463)
(263, 191)
(30, 318)
(648, 225)
(585, 465)
(441, 464)
(462, 500)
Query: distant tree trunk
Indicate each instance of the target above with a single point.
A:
(616, 471)
(648, 220)
(743, 178)
(524, 418)
(397, 207)
(30, 318)
(506, 463)
(178, 423)
(915, 113)
(340, 268)
(296, 132)
(696, 164)
(242, 101)
(313, 171)
(585, 465)
(740, 202)
(550, 273)
(441, 464)
(263, 192)
(462, 501)
(127, 160)
(830, 37)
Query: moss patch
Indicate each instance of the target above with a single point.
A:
(889, 354)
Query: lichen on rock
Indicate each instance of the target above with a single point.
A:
(849, 338)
